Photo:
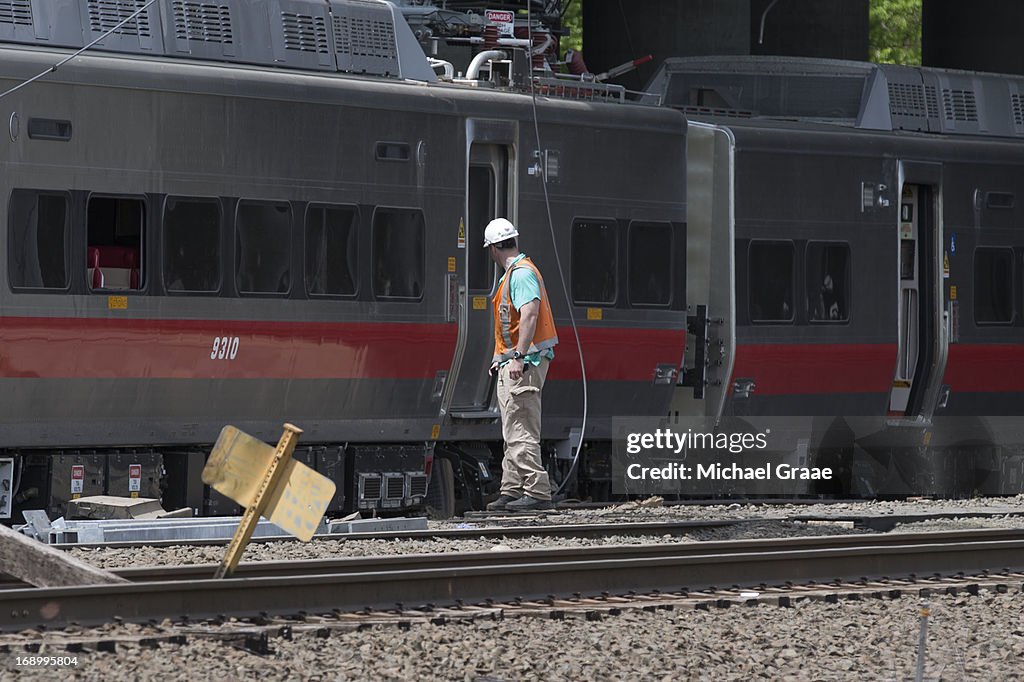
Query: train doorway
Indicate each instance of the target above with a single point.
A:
(921, 355)
(487, 197)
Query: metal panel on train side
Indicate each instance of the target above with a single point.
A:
(798, 187)
(343, 362)
(343, 369)
(635, 171)
(795, 192)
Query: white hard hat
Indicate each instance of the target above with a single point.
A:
(498, 230)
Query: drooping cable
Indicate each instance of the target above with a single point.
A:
(67, 59)
(561, 271)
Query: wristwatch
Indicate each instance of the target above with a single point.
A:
(516, 355)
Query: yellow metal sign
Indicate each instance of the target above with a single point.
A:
(435, 432)
(595, 313)
(117, 302)
(952, 292)
(451, 263)
(238, 468)
(298, 504)
(479, 303)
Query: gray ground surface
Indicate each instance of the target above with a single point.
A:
(970, 638)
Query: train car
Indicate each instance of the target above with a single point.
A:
(863, 258)
(251, 213)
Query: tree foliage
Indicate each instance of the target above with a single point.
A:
(895, 29)
(572, 20)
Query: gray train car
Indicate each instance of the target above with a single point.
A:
(203, 227)
(863, 262)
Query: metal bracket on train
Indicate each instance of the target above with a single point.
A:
(696, 376)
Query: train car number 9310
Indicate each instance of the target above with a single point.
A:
(224, 348)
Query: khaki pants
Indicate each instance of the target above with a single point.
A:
(522, 469)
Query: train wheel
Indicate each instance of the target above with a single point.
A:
(440, 501)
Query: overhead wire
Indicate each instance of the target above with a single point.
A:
(558, 261)
(67, 59)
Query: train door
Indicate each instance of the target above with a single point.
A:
(922, 338)
(487, 197)
(710, 272)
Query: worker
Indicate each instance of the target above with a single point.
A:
(524, 341)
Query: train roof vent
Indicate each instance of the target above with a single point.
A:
(136, 35)
(364, 38)
(913, 99)
(16, 12)
(1017, 104)
(104, 15)
(899, 98)
(300, 36)
(870, 96)
(960, 105)
(967, 100)
(782, 87)
(16, 21)
(201, 27)
(304, 33)
(372, 37)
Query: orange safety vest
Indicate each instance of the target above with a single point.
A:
(506, 317)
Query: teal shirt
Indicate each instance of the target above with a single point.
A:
(523, 288)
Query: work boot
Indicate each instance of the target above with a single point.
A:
(527, 503)
(501, 503)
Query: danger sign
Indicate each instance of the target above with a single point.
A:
(505, 21)
(134, 478)
(77, 479)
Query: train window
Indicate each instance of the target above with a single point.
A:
(650, 263)
(263, 250)
(770, 281)
(398, 253)
(331, 250)
(49, 129)
(828, 282)
(192, 244)
(594, 261)
(993, 286)
(392, 151)
(37, 241)
(114, 255)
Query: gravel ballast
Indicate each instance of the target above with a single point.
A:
(970, 637)
(772, 523)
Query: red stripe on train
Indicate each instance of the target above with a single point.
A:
(616, 353)
(185, 349)
(814, 369)
(985, 368)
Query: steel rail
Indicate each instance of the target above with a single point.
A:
(416, 562)
(511, 575)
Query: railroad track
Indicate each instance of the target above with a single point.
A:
(380, 583)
